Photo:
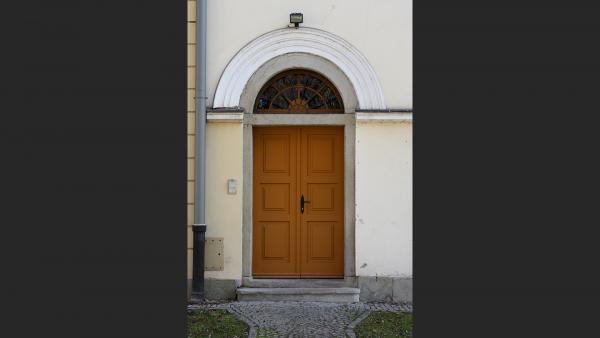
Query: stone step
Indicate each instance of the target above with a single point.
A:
(337, 295)
(348, 282)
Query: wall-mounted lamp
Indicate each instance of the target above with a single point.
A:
(296, 19)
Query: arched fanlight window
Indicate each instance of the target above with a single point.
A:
(298, 91)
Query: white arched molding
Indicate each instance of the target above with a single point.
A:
(301, 40)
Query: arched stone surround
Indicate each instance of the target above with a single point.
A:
(325, 45)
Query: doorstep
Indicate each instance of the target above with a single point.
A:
(307, 294)
(348, 282)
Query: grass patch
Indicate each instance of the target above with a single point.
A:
(214, 323)
(386, 324)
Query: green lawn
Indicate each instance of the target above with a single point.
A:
(214, 323)
(385, 324)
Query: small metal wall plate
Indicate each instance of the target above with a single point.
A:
(213, 254)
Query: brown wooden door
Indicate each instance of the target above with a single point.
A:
(291, 163)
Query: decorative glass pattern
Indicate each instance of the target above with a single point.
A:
(298, 91)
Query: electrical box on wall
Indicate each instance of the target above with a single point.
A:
(213, 254)
(231, 186)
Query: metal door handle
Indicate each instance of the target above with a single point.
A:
(302, 201)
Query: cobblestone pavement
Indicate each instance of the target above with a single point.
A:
(303, 319)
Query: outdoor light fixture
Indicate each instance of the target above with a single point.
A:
(296, 19)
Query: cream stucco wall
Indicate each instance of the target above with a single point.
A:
(224, 211)
(224, 161)
(383, 231)
(380, 29)
(384, 199)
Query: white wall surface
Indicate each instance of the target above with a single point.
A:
(380, 29)
(384, 199)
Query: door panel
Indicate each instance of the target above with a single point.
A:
(322, 183)
(321, 240)
(275, 224)
(291, 162)
(276, 240)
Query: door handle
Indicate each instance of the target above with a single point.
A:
(302, 201)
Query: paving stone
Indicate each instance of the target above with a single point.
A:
(303, 319)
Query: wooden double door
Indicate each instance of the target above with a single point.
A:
(298, 202)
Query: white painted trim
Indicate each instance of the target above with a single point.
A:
(224, 117)
(384, 117)
(302, 40)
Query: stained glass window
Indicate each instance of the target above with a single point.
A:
(298, 91)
